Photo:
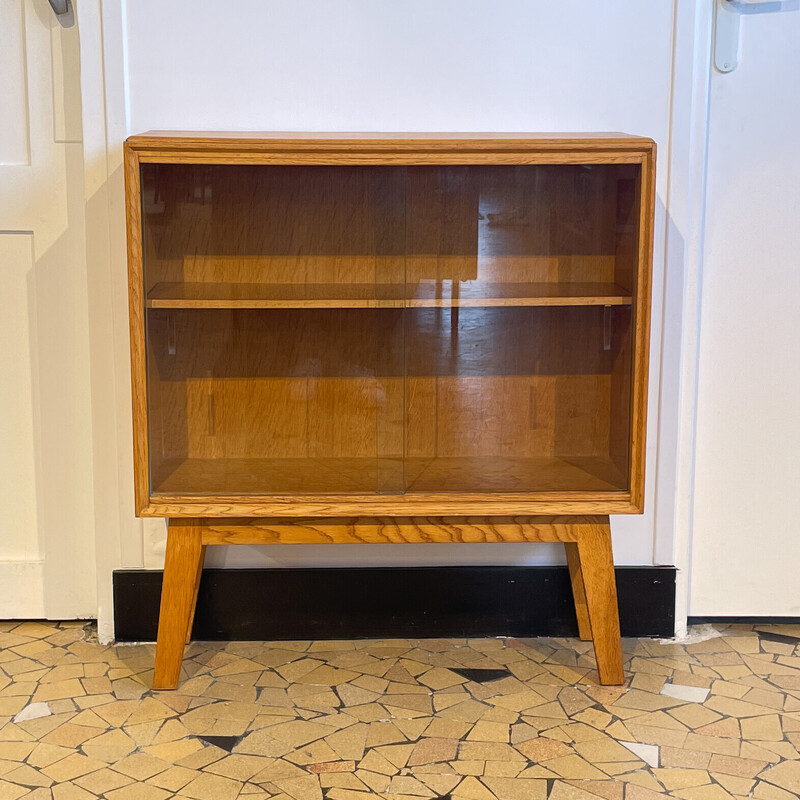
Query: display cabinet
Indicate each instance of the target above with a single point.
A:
(389, 338)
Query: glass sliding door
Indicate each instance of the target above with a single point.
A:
(275, 323)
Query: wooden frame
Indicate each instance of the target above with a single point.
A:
(587, 541)
(577, 518)
(390, 149)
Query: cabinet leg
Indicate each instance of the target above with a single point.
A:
(596, 564)
(578, 591)
(196, 590)
(182, 567)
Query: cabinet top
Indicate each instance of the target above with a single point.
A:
(381, 141)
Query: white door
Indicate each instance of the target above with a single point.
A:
(746, 527)
(47, 563)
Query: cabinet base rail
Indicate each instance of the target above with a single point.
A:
(586, 539)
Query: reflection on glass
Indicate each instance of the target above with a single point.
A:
(362, 330)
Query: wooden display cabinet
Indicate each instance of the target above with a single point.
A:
(389, 338)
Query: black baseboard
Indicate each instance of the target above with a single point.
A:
(723, 620)
(421, 602)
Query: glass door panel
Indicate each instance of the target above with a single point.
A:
(275, 329)
(519, 327)
(352, 330)
(521, 235)
(517, 400)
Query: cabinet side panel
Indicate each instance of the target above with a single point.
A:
(641, 327)
(137, 329)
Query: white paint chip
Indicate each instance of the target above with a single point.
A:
(33, 711)
(692, 694)
(647, 752)
(696, 633)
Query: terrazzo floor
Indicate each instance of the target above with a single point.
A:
(486, 719)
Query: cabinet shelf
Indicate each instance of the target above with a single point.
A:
(425, 294)
(477, 294)
(275, 295)
(235, 476)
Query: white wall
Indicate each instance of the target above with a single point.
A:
(436, 65)
(512, 65)
(445, 65)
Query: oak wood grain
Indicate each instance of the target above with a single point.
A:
(492, 504)
(197, 579)
(391, 530)
(178, 595)
(578, 591)
(468, 295)
(324, 473)
(387, 144)
(597, 569)
(136, 321)
(321, 156)
(397, 149)
(641, 336)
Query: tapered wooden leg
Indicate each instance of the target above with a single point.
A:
(597, 567)
(181, 568)
(578, 592)
(196, 590)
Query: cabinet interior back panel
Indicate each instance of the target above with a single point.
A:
(388, 384)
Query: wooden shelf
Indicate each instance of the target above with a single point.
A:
(275, 295)
(290, 476)
(498, 474)
(234, 476)
(427, 294)
(477, 294)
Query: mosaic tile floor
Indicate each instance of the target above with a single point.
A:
(486, 719)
